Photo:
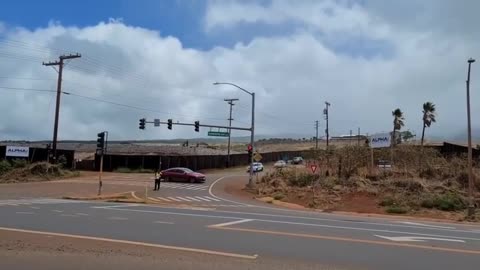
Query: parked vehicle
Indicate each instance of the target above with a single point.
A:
(182, 175)
(280, 164)
(257, 167)
(297, 160)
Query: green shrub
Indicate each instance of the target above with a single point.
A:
(428, 203)
(388, 201)
(5, 166)
(395, 209)
(278, 196)
(302, 180)
(19, 163)
(449, 202)
(62, 161)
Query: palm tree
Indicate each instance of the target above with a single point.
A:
(397, 122)
(428, 116)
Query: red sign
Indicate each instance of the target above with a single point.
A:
(313, 167)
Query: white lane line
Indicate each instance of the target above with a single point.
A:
(210, 188)
(11, 204)
(193, 199)
(81, 214)
(201, 198)
(117, 218)
(174, 199)
(203, 251)
(24, 213)
(164, 199)
(214, 199)
(163, 222)
(57, 211)
(183, 199)
(294, 223)
(68, 215)
(34, 207)
(417, 239)
(231, 223)
(425, 225)
(114, 206)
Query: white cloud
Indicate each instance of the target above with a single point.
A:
(292, 74)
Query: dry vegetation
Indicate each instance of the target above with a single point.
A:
(21, 171)
(421, 182)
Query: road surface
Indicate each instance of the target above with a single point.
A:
(243, 234)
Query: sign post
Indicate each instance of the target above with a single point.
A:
(379, 140)
(17, 151)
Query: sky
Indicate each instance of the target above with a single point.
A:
(159, 59)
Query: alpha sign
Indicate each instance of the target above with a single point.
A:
(17, 151)
(380, 140)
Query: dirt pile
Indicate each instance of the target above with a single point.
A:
(14, 172)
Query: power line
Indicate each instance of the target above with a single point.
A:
(26, 89)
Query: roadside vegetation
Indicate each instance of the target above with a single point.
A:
(19, 170)
(128, 170)
(420, 181)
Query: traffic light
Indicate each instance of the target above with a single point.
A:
(101, 141)
(169, 123)
(197, 126)
(142, 124)
(250, 151)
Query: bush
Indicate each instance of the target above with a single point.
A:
(128, 170)
(19, 163)
(278, 196)
(388, 201)
(5, 166)
(449, 202)
(62, 161)
(302, 180)
(395, 209)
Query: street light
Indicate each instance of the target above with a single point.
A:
(252, 129)
(471, 203)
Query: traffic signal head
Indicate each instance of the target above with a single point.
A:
(169, 123)
(142, 124)
(197, 126)
(101, 140)
(249, 148)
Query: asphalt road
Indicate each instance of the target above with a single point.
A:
(252, 232)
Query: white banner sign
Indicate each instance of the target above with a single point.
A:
(17, 151)
(380, 140)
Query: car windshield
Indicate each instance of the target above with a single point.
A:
(187, 170)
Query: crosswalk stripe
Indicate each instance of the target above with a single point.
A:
(173, 199)
(193, 199)
(184, 199)
(214, 199)
(164, 199)
(201, 198)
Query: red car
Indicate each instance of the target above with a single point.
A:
(182, 175)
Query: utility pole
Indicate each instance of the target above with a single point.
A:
(316, 135)
(60, 63)
(325, 112)
(471, 203)
(358, 137)
(230, 102)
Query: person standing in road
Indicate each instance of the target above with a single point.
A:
(158, 176)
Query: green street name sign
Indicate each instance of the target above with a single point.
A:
(218, 134)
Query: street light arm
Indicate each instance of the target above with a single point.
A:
(232, 84)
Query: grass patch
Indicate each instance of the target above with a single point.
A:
(395, 209)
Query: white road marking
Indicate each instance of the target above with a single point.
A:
(68, 215)
(117, 218)
(210, 188)
(213, 199)
(24, 213)
(81, 214)
(204, 251)
(231, 223)
(34, 207)
(201, 198)
(294, 223)
(193, 199)
(114, 206)
(417, 239)
(164, 199)
(425, 225)
(57, 211)
(163, 222)
(173, 199)
(183, 199)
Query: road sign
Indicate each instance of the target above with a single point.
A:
(257, 157)
(156, 122)
(313, 167)
(380, 140)
(218, 134)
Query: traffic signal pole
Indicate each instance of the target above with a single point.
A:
(101, 149)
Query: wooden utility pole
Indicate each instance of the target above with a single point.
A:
(60, 63)
(316, 135)
(325, 112)
(230, 102)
